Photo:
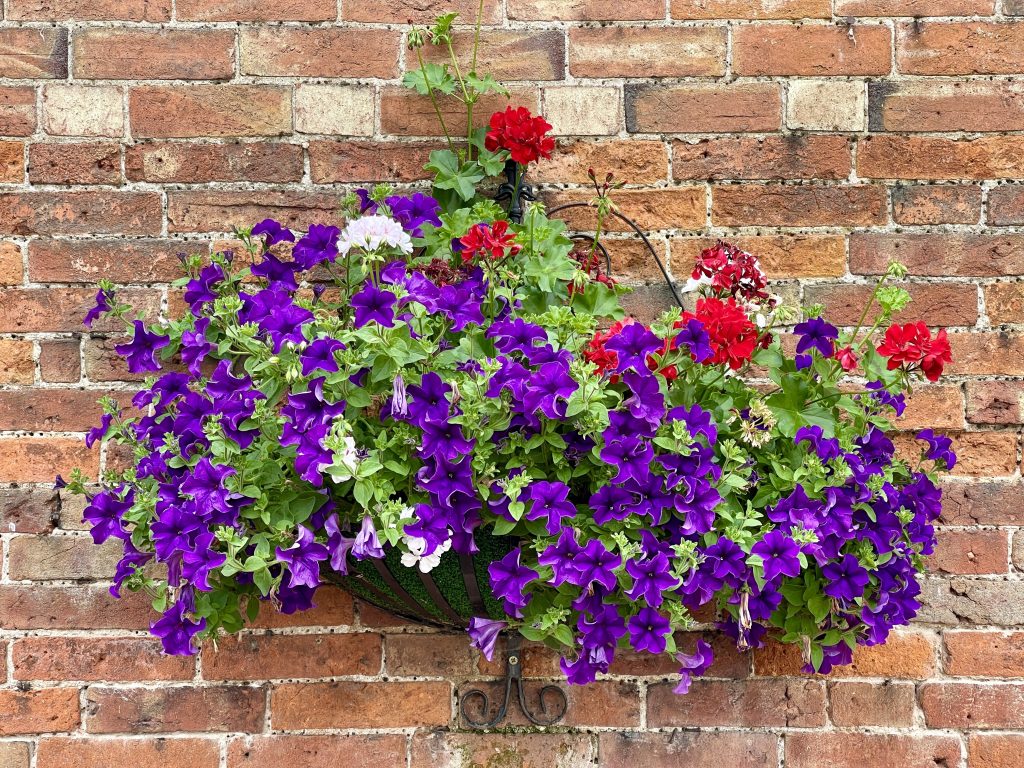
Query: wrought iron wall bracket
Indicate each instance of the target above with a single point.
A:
(514, 679)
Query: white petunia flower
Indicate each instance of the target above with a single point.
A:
(370, 233)
(415, 557)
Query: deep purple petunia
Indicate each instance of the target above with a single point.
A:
(632, 457)
(97, 433)
(826, 448)
(367, 545)
(104, 514)
(175, 630)
(693, 665)
(816, 334)
(509, 578)
(549, 502)
(633, 344)
(846, 579)
(779, 553)
(696, 339)
(652, 578)
(338, 545)
(102, 306)
(174, 530)
(603, 628)
(547, 389)
(140, 353)
(595, 564)
(273, 232)
(940, 447)
(200, 290)
(483, 635)
(277, 273)
(444, 439)
(197, 563)
(648, 631)
(560, 557)
(319, 356)
(319, 244)
(697, 420)
(415, 211)
(129, 563)
(303, 559)
(195, 347)
(647, 402)
(376, 304)
(285, 324)
(206, 485)
(610, 502)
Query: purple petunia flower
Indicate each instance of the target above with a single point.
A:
(603, 628)
(550, 384)
(651, 579)
(319, 356)
(206, 485)
(549, 503)
(560, 557)
(338, 545)
(285, 323)
(413, 212)
(105, 512)
(940, 447)
(648, 631)
(816, 334)
(779, 553)
(273, 232)
(96, 433)
(509, 578)
(693, 665)
(200, 291)
(277, 273)
(696, 339)
(647, 402)
(825, 448)
(367, 545)
(483, 635)
(303, 559)
(595, 563)
(846, 579)
(633, 344)
(173, 530)
(373, 303)
(140, 353)
(103, 299)
(195, 347)
(697, 420)
(175, 629)
(319, 244)
(198, 562)
(127, 566)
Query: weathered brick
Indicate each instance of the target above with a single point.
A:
(981, 503)
(508, 55)
(332, 607)
(781, 256)
(995, 750)
(940, 304)
(256, 10)
(83, 110)
(853, 750)
(826, 105)
(811, 50)
(959, 48)
(110, 659)
(676, 208)
(751, 9)
(647, 51)
(54, 310)
(331, 162)
(143, 54)
(12, 162)
(946, 105)
(168, 709)
(938, 255)
(988, 354)
(775, 205)
(40, 606)
(981, 454)
(138, 753)
(80, 212)
(165, 111)
(995, 402)
(43, 710)
(39, 459)
(1004, 303)
(430, 656)
(694, 749)
(360, 705)
(28, 510)
(16, 363)
(15, 754)
(405, 113)
(121, 261)
(343, 110)
(435, 748)
(970, 552)
(969, 601)
(632, 161)
(12, 268)
(201, 211)
(585, 10)
(904, 655)
(930, 204)
(17, 111)
(703, 108)
(745, 703)
(34, 52)
(89, 10)
(917, 157)
(72, 558)
(984, 654)
(260, 657)
(916, 8)
(354, 751)
(973, 705)
(79, 163)
(937, 407)
(1006, 206)
(162, 162)
(770, 157)
(575, 110)
(887, 704)
(318, 52)
(418, 11)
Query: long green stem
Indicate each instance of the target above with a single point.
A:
(864, 314)
(433, 100)
(466, 99)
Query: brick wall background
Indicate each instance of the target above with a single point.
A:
(825, 135)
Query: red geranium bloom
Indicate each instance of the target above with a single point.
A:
(522, 134)
(847, 358)
(913, 343)
(938, 355)
(733, 335)
(595, 352)
(733, 272)
(489, 240)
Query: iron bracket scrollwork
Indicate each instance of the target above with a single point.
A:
(514, 679)
(507, 192)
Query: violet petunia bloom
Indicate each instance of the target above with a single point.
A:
(105, 512)
(939, 447)
(285, 323)
(320, 244)
(277, 273)
(338, 545)
(560, 557)
(603, 628)
(595, 564)
(206, 485)
(373, 303)
(816, 334)
(483, 635)
(825, 448)
(846, 579)
(697, 420)
(634, 343)
(445, 440)
(303, 559)
(413, 212)
(610, 502)
(550, 384)
(549, 503)
(696, 339)
(509, 578)
(652, 578)
(195, 347)
(200, 291)
(175, 630)
(173, 530)
(319, 356)
(648, 631)
(273, 232)
(779, 553)
(131, 561)
(367, 545)
(102, 306)
(197, 563)
(140, 353)
(647, 402)
(632, 457)
(693, 665)
(96, 433)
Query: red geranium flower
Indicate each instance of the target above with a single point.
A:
(522, 134)
(490, 240)
(938, 354)
(847, 358)
(733, 335)
(913, 343)
(596, 353)
(733, 272)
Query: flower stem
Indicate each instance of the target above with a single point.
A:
(433, 100)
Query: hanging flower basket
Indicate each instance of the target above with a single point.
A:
(443, 406)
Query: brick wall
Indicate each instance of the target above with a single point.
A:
(826, 135)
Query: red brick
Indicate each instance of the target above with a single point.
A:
(43, 710)
(431, 655)
(904, 655)
(71, 607)
(887, 704)
(966, 601)
(89, 10)
(937, 407)
(703, 108)
(260, 657)
(676, 208)
(39, 459)
(632, 161)
(70, 558)
(201, 163)
(331, 162)
(535, 54)
(995, 402)
(557, 750)
(85, 163)
(12, 162)
(75, 213)
(360, 705)
(694, 749)
(811, 50)
(781, 256)
(137, 753)
(647, 51)
(940, 304)
(256, 10)
(1004, 303)
(215, 211)
(982, 503)
(122, 261)
(585, 10)
(930, 204)
(143, 54)
(53, 310)
(40, 53)
(774, 205)
(319, 52)
(995, 750)
(372, 750)
(418, 11)
(854, 750)
(1006, 206)
(959, 48)
(17, 111)
(988, 354)
(970, 552)
(405, 113)
(111, 659)
(331, 607)
(165, 111)
(766, 157)
(938, 255)
(916, 8)
(982, 454)
(969, 105)
(916, 157)
(170, 709)
(973, 705)
(751, 9)
(984, 654)
(747, 703)
(15, 754)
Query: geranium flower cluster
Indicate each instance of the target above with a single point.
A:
(430, 375)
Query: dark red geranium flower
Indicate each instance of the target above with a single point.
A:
(733, 273)
(490, 241)
(733, 336)
(913, 343)
(522, 134)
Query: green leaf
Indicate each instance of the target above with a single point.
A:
(434, 76)
(461, 178)
(262, 579)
